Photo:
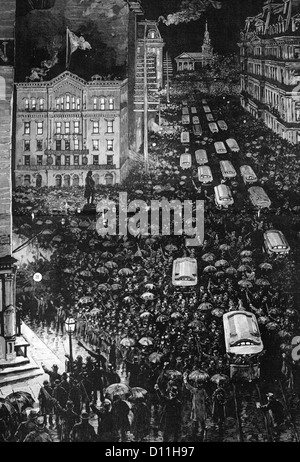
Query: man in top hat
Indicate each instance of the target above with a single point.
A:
(40, 434)
(83, 432)
(26, 427)
(53, 374)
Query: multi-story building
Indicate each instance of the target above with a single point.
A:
(67, 126)
(270, 75)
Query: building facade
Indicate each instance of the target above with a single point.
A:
(270, 75)
(67, 126)
(190, 61)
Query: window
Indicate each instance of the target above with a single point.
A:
(109, 179)
(109, 145)
(75, 181)
(26, 145)
(38, 181)
(39, 145)
(95, 145)
(68, 103)
(76, 145)
(27, 180)
(58, 127)
(39, 160)
(110, 160)
(67, 181)
(58, 145)
(78, 103)
(67, 145)
(26, 128)
(110, 126)
(95, 103)
(41, 104)
(57, 160)
(102, 104)
(111, 103)
(76, 126)
(95, 160)
(73, 103)
(58, 181)
(67, 128)
(76, 160)
(96, 126)
(57, 104)
(26, 103)
(39, 128)
(62, 103)
(26, 160)
(67, 160)
(33, 104)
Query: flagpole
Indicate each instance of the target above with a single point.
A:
(67, 46)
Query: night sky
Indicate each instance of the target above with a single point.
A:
(224, 25)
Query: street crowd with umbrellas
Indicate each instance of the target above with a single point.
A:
(119, 288)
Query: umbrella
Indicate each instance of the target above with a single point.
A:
(148, 296)
(219, 274)
(209, 269)
(245, 283)
(145, 314)
(102, 270)
(161, 318)
(284, 334)
(247, 260)
(125, 272)
(94, 311)
(139, 191)
(171, 247)
(86, 273)
(262, 282)
(86, 300)
(116, 287)
(23, 399)
(176, 315)
(149, 286)
(208, 257)
(244, 268)
(218, 378)
(224, 247)
(205, 306)
(266, 266)
(8, 406)
(195, 324)
(146, 341)
(217, 312)
(230, 270)
(111, 264)
(155, 357)
(272, 326)
(106, 255)
(128, 298)
(246, 253)
(103, 287)
(221, 263)
(173, 374)
(137, 393)
(117, 389)
(127, 341)
(199, 376)
(57, 238)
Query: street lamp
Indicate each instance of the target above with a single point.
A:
(70, 325)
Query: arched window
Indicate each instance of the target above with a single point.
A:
(38, 181)
(57, 104)
(75, 181)
(26, 103)
(67, 181)
(2, 89)
(33, 104)
(111, 104)
(58, 181)
(27, 180)
(109, 179)
(41, 103)
(68, 102)
(95, 103)
(152, 34)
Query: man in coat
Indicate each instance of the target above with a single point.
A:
(171, 415)
(199, 406)
(40, 434)
(83, 432)
(46, 403)
(120, 416)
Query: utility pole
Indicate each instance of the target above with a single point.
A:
(146, 159)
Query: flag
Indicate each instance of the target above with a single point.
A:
(216, 4)
(77, 42)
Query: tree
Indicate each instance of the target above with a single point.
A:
(189, 10)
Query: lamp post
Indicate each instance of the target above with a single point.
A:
(70, 325)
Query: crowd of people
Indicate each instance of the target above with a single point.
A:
(119, 288)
